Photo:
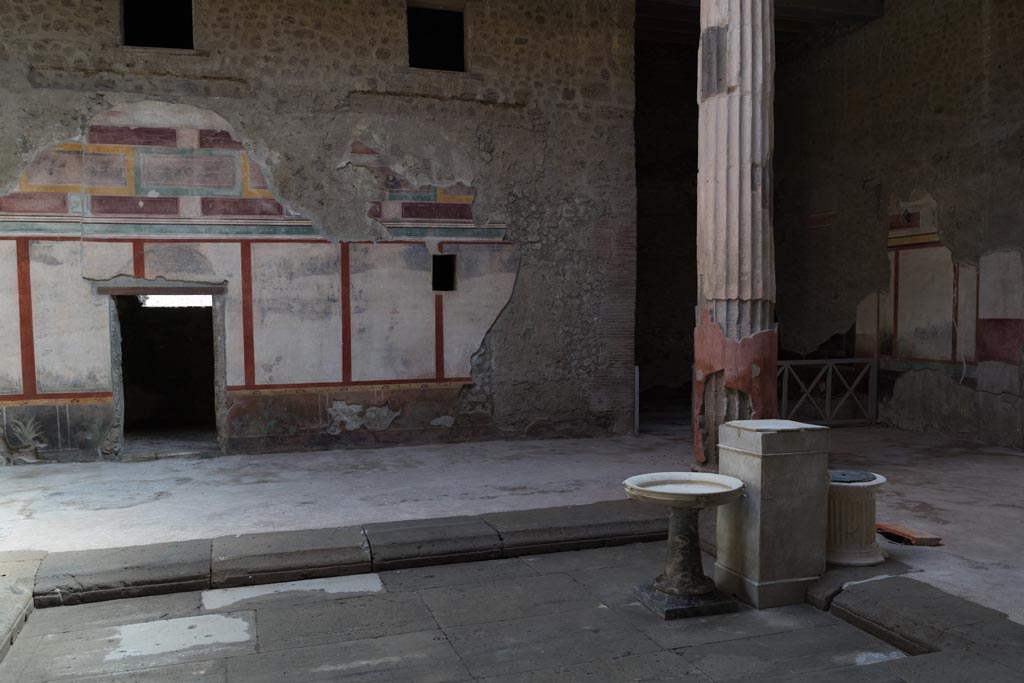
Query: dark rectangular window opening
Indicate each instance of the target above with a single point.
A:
(157, 24)
(436, 39)
(444, 273)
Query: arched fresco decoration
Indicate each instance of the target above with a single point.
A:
(322, 343)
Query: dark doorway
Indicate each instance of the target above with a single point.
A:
(666, 177)
(167, 364)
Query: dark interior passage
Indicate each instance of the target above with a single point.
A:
(168, 368)
(666, 174)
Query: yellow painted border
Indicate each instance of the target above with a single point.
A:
(248, 191)
(121, 191)
(453, 198)
(54, 401)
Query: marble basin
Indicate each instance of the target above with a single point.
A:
(684, 489)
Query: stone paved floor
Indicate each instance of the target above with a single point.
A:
(968, 493)
(561, 617)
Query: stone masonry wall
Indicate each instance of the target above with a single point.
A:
(913, 118)
(541, 122)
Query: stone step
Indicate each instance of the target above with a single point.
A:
(68, 578)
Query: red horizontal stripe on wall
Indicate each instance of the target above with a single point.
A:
(218, 139)
(231, 206)
(999, 339)
(34, 202)
(438, 210)
(133, 206)
(122, 135)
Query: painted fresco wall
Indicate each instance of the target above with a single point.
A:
(540, 124)
(958, 320)
(325, 343)
(898, 174)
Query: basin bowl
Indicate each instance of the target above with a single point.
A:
(684, 489)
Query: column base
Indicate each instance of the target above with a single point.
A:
(763, 594)
(668, 606)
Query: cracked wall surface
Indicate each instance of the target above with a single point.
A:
(898, 206)
(540, 125)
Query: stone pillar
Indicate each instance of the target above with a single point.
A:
(771, 542)
(735, 345)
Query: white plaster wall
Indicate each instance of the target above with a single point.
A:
(208, 262)
(926, 304)
(392, 312)
(104, 260)
(1001, 295)
(297, 313)
(10, 330)
(967, 312)
(484, 277)
(867, 326)
(71, 323)
(885, 307)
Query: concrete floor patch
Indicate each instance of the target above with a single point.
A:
(176, 635)
(359, 583)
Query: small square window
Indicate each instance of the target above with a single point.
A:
(444, 273)
(158, 24)
(436, 39)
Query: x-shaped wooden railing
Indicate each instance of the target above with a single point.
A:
(818, 397)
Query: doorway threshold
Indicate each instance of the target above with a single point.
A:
(161, 445)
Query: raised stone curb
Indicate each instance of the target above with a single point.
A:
(69, 578)
(17, 576)
(420, 542)
(548, 530)
(921, 619)
(288, 556)
(821, 593)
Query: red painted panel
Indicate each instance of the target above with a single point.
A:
(28, 342)
(346, 314)
(232, 206)
(439, 335)
(438, 210)
(35, 203)
(999, 339)
(218, 139)
(122, 135)
(133, 206)
(139, 259)
(248, 349)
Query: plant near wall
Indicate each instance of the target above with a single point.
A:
(27, 437)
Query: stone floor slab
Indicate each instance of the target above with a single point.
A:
(910, 614)
(660, 667)
(747, 623)
(88, 575)
(111, 613)
(814, 649)
(951, 667)
(597, 558)
(439, 576)
(282, 628)
(543, 642)
(130, 647)
(420, 657)
(579, 526)
(197, 672)
(290, 593)
(420, 542)
(821, 593)
(509, 599)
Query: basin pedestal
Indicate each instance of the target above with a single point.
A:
(683, 590)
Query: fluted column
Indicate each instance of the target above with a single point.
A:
(735, 248)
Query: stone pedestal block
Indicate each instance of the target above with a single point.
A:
(771, 542)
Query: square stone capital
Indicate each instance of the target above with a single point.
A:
(773, 437)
